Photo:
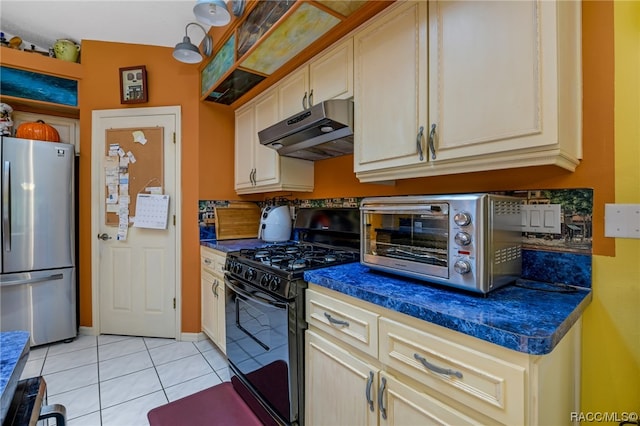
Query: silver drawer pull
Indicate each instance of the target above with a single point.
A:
(383, 409)
(437, 369)
(368, 391)
(336, 321)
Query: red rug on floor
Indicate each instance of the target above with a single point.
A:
(219, 405)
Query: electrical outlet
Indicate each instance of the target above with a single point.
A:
(622, 220)
(541, 218)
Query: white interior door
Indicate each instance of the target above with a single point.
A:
(135, 281)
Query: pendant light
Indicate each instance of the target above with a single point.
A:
(212, 12)
(189, 53)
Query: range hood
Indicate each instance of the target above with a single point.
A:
(323, 131)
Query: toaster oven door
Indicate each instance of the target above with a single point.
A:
(413, 239)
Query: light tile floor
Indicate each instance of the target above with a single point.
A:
(115, 380)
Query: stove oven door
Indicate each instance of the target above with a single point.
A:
(258, 348)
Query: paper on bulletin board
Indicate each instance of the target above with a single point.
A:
(152, 211)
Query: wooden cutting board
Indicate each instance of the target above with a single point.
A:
(238, 220)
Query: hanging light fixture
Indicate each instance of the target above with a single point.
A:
(189, 53)
(212, 12)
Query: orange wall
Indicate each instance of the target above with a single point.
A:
(170, 83)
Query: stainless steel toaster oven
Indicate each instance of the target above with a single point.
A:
(467, 241)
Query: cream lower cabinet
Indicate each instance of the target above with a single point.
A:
(456, 86)
(258, 168)
(212, 294)
(366, 365)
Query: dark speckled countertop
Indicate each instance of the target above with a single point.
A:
(529, 317)
(14, 349)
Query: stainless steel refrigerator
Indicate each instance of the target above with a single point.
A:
(37, 280)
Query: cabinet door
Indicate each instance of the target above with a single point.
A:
(492, 70)
(220, 318)
(244, 143)
(405, 405)
(336, 384)
(293, 93)
(267, 160)
(331, 75)
(208, 304)
(390, 66)
(68, 128)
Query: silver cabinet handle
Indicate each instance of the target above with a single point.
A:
(419, 142)
(304, 101)
(336, 321)
(311, 98)
(6, 205)
(33, 280)
(383, 410)
(207, 261)
(368, 391)
(437, 369)
(432, 144)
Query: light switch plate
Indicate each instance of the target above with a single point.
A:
(622, 220)
(541, 218)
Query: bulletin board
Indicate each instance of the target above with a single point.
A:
(146, 146)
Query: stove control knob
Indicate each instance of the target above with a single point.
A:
(462, 267)
(264, 280)
(463, 239)
(250, 274)
(462, 218)
(237, 268)
(275, 284)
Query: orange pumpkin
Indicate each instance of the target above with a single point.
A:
(39, 131)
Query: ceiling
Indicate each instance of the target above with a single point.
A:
(150, 22)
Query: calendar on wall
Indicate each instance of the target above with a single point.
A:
(152, 211)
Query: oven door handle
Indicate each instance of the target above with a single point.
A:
(254, 297)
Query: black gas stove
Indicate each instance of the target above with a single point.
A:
(326, 237)
(274, 267)
(265, 310)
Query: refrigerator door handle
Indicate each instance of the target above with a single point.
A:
(33, 280)
(6, 206)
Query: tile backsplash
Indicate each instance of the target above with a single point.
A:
(563, 257)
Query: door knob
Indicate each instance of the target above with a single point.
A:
(104, 236)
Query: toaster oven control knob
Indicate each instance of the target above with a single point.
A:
(462, 218)
(275, 284)
(250, 274)
(462, 267)
(463, 239)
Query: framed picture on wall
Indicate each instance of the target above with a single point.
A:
(133, 85)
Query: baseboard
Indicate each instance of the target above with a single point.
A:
(87, 331)
(192, 337)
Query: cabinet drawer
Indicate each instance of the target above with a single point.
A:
(211, 260)
(490, 385)
(348, 323)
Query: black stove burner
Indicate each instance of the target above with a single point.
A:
(297, 256)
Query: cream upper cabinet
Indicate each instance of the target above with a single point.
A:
(364, 362)
(504, 89)
(391, 93)
(258, 168)
(68, 128)
(327, 76)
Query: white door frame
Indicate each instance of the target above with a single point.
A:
(96, 156)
